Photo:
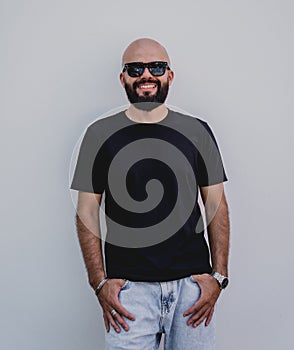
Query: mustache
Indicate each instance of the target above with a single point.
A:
(144, 81)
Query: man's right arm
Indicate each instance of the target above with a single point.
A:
(88, 229)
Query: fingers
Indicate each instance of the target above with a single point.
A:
(120, 320)
(121, 311)
(197, 306)
(201, 310)
(111, 302)
(119, 308)
(115, 320)
(209, 316)
(199, 319)
(207, 298)
(112, 322)
(106, 322)
(198, 316)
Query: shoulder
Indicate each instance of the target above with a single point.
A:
(104, 127)
(105, 122)
(186, 116)
(192, 124)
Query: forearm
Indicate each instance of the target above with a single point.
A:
(89, 238)
(218, 236)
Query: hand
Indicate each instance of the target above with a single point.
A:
(204, 307)
(108, 298)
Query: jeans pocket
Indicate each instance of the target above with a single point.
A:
(191, 278)
(124, 286)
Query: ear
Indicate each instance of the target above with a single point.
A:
(121, 78)
(171, 75)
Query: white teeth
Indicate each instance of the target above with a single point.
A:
(147, 86)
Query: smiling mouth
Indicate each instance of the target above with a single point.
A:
(147, 86)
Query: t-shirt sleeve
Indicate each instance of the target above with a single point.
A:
(89, 173)
(210, 168)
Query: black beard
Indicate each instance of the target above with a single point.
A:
(148, 102)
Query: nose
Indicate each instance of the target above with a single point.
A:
(146, 74)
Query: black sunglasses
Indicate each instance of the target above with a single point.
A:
(136, 69)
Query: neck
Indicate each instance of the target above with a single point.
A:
(141, 116)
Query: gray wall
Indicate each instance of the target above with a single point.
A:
(60, 61)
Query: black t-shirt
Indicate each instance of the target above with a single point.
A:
(150, 174)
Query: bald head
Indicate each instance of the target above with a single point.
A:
(145, 50)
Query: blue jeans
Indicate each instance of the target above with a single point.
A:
(158, 308)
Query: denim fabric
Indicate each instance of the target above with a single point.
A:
(158, 308)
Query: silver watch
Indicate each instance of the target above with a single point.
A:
(222, 281)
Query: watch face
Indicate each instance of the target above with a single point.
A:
(225, 282)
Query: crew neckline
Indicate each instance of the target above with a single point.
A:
(146, 123)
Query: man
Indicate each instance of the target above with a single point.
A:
(151, 163)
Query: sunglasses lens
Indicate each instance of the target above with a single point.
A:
(135, 71)
(157, 69)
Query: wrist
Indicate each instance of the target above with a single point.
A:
(222, 280)
(95, 281)
(100, 285)
(222, 269)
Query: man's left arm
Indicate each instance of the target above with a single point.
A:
(218, 229)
